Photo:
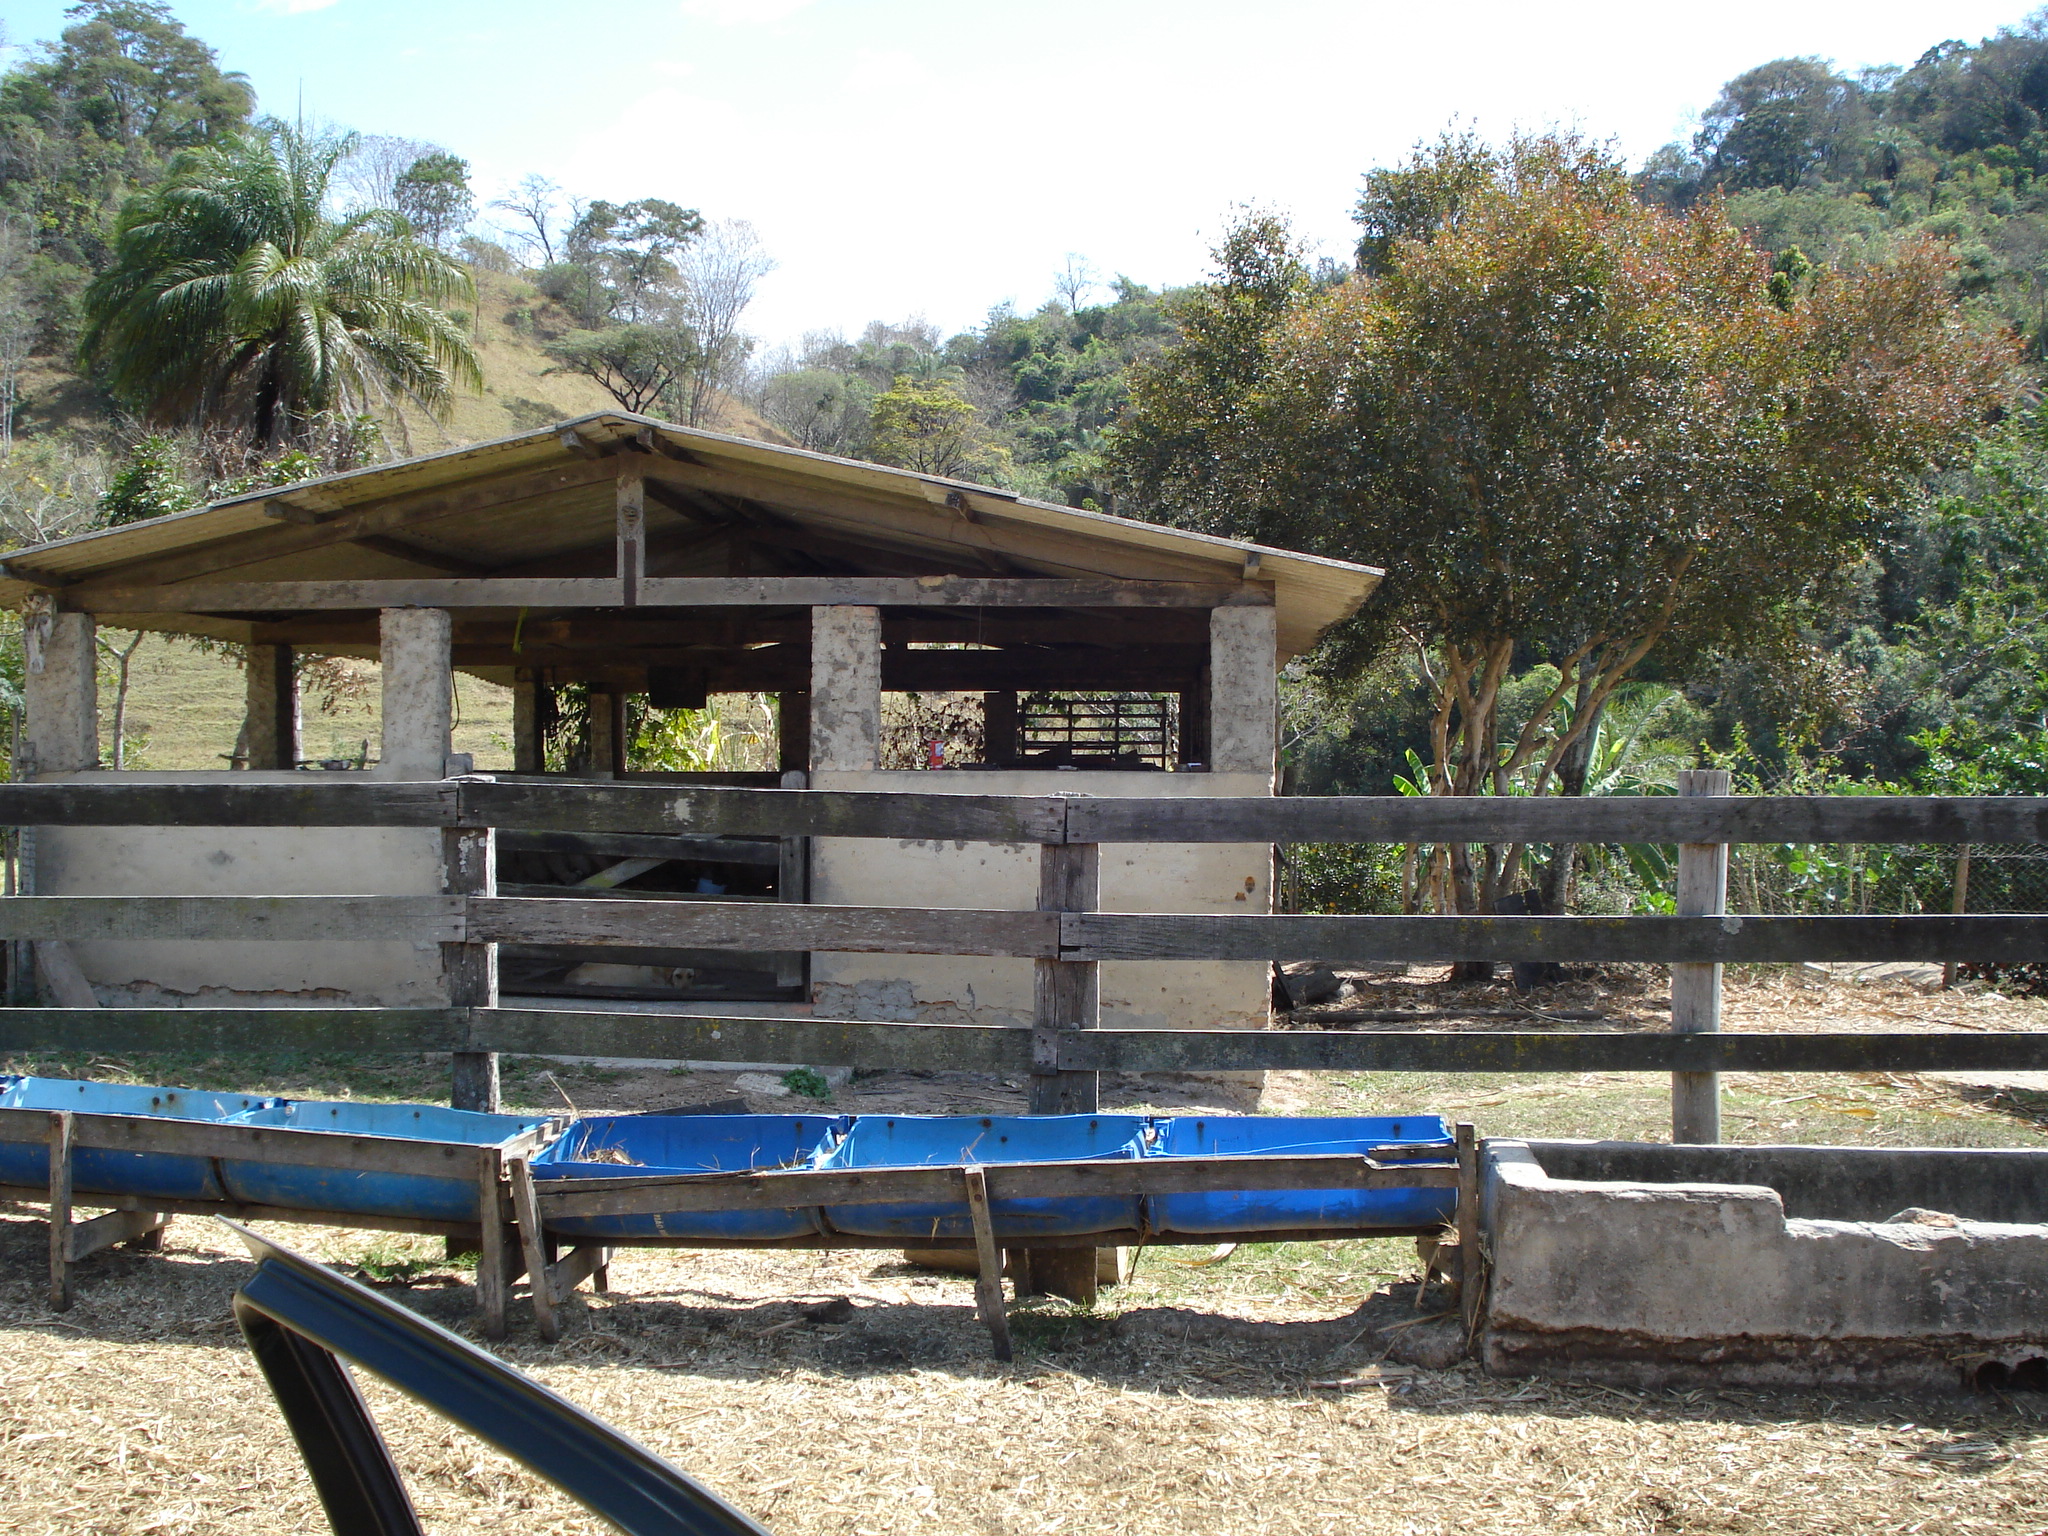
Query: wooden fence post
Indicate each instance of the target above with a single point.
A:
(1064, 998)
(469, 868)
(1696, 989)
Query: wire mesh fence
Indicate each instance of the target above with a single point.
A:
(1771, 879)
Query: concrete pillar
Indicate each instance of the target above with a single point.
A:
(1244, 700)
(60, 693)
(607, 729)
(419, 691)
(273, 707)
(846, 688)
(528, 751)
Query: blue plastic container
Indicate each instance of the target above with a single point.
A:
(425, 1196)
(166, 1176)
(1286, 1210)
(913, 1141)
(638, 1146)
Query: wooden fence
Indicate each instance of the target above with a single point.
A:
(1065, 936)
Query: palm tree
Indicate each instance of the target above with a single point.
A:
(236, 300)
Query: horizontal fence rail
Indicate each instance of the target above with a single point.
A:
(1075, 937)
(1065, 938)
(864, 1044)
(661, 809)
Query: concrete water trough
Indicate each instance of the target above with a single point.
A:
(1869, 1267)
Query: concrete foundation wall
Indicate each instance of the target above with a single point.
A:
(1657, 1281)
(1150, 877)
(246, 861)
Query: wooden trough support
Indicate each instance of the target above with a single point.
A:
(142, 1220)
(980, 1186)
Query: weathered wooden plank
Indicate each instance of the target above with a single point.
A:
(946, 592)
(311, 596)
(1172, 1050)
(783, 1190)
(715, 850)
(232, 917)
(232, 1029)
(657, 811)
(316, 801)
(684, 1037)
(60, 1128)
(1618, 819)
(533, 1248)
(661, 592)
(87, 1238)
(1065, 995)
(671, 809)
(1729, 940)
(760, 925)
(274, 1144)
(988, 1268)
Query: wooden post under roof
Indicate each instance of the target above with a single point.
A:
(632, 530)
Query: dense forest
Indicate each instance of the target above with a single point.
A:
(1830, 471)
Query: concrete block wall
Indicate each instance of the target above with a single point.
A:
(1657, 1281)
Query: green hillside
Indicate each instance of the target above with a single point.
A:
(185, 709)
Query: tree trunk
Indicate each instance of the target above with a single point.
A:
(123, 662)
(1553, 887)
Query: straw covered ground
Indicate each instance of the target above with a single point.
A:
(1279, 1388)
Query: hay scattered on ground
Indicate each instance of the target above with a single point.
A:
(139, 1411)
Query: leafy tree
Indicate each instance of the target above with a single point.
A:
(83, 122)
(433, 194)
(640, 366)
(1778, 124)
(150, 484)
(235, 300)
(1573, 428)
(929, 427)
(820, 409)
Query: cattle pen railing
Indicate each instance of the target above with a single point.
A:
(1062, 1053)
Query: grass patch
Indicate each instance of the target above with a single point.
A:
(1881, 1110)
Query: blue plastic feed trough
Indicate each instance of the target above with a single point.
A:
(640, 1146)
(1289, 1210)
(913, 1141)
(426, 1196)
(168, 1176)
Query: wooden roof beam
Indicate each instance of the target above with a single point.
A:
(388, 517)
(670, 591)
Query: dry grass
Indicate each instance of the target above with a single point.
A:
(1186, 1402)
(139, 1411)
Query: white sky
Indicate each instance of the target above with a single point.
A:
(940, 156)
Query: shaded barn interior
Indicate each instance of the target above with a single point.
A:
(616, 562)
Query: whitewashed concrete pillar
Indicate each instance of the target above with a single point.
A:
(60, 693)
(273, 707)
(419, 690)
(846, 688)
(1244, 668)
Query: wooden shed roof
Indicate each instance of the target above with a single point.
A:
(541, 504)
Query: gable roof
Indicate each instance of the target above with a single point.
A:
(541, 501)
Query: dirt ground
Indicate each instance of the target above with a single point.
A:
(1280, 1388)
